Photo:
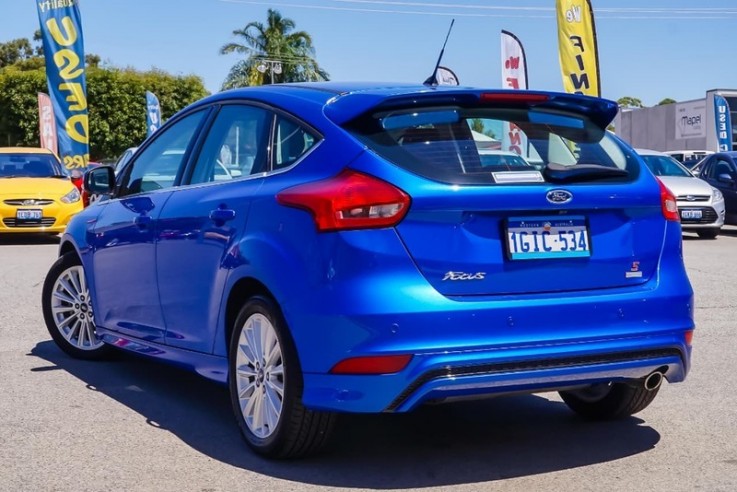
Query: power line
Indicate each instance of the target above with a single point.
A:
(706, 13)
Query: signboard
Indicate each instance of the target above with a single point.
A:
(723, 123)
(691, 119)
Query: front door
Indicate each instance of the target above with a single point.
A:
(125, 294)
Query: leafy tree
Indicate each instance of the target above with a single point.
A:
(273, 52)
(629, 102)
(667, 100)
(116, 99)
(15, 51)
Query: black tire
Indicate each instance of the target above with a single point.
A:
(620, 401)
(708, 233)
(80, 312)
(299, 431)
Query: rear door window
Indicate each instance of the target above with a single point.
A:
(459, 145)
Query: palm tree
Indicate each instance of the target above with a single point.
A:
(274, 53)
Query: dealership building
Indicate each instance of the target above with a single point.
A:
(688, 125)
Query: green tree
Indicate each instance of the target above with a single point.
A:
(629, 102)
(273, 52)
(667, 100)
(116, 101)
(15, 51)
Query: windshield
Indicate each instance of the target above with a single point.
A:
(662, 165)
(471, 145)
(30, 166)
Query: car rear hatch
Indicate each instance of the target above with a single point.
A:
(589, 220)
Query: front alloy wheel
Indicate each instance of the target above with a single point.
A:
(67, 310)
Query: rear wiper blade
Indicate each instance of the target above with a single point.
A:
(558, 173)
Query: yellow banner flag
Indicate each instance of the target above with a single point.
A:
(579, 60)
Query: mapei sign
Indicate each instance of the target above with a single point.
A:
(691, 120)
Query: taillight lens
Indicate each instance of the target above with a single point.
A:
(380, 364)
(350, 200)
(668, 203)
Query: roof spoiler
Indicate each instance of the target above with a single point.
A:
(346, 107)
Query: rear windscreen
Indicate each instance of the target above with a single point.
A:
(458, 145)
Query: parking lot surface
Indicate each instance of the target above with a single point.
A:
(132, 424)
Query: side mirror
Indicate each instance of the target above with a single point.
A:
(99, 181)
(726, 179)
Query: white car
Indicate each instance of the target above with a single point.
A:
(700, 206)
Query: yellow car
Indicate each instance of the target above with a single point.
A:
(36, 194)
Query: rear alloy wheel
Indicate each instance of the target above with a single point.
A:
(708, 233)
(609, 401)
(67, 310)
(266, 386)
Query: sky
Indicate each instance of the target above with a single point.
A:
(648, 49)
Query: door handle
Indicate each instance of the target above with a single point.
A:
(142, 221)
(222, 215)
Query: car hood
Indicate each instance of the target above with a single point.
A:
(682, 185)
(35, 187)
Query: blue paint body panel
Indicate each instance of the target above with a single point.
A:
(614, 312)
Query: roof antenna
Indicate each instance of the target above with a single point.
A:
(432, 80)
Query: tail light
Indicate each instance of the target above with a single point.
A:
(381, 364)
(350, 200)
(668, 203)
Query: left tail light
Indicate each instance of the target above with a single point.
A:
(350, 200)
(668, 203)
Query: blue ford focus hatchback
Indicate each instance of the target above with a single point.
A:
(326, 248)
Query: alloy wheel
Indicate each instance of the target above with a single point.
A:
(71, 308)
(259, 373)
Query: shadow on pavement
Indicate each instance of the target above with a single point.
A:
(27, 239)
(450, 444)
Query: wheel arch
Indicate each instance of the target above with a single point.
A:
(242, 290)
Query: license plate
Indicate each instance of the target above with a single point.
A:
(531, 238)
(690, 214)
(28, 214)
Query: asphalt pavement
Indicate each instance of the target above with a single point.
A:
(132, 424)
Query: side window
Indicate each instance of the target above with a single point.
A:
(157, 166)
(721, 167)
(291, 141)
(235, 145)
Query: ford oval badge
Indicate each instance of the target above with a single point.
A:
(559, 197)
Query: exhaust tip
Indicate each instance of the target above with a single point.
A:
(653, 381)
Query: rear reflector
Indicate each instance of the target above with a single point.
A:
(688, 337)
(380, 364)
(668, 203)
(514, 97)
(350, 200)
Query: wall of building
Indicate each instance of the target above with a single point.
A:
(656, 128)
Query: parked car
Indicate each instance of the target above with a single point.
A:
(365, 260)
(503, 160)
(720, 171)
(688, 157)
(700, 205)
(36, 194)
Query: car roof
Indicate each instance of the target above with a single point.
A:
(25, 150)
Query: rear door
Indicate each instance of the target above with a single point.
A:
(592, 220)
(202, 220)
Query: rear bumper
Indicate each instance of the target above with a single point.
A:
(502, 371)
